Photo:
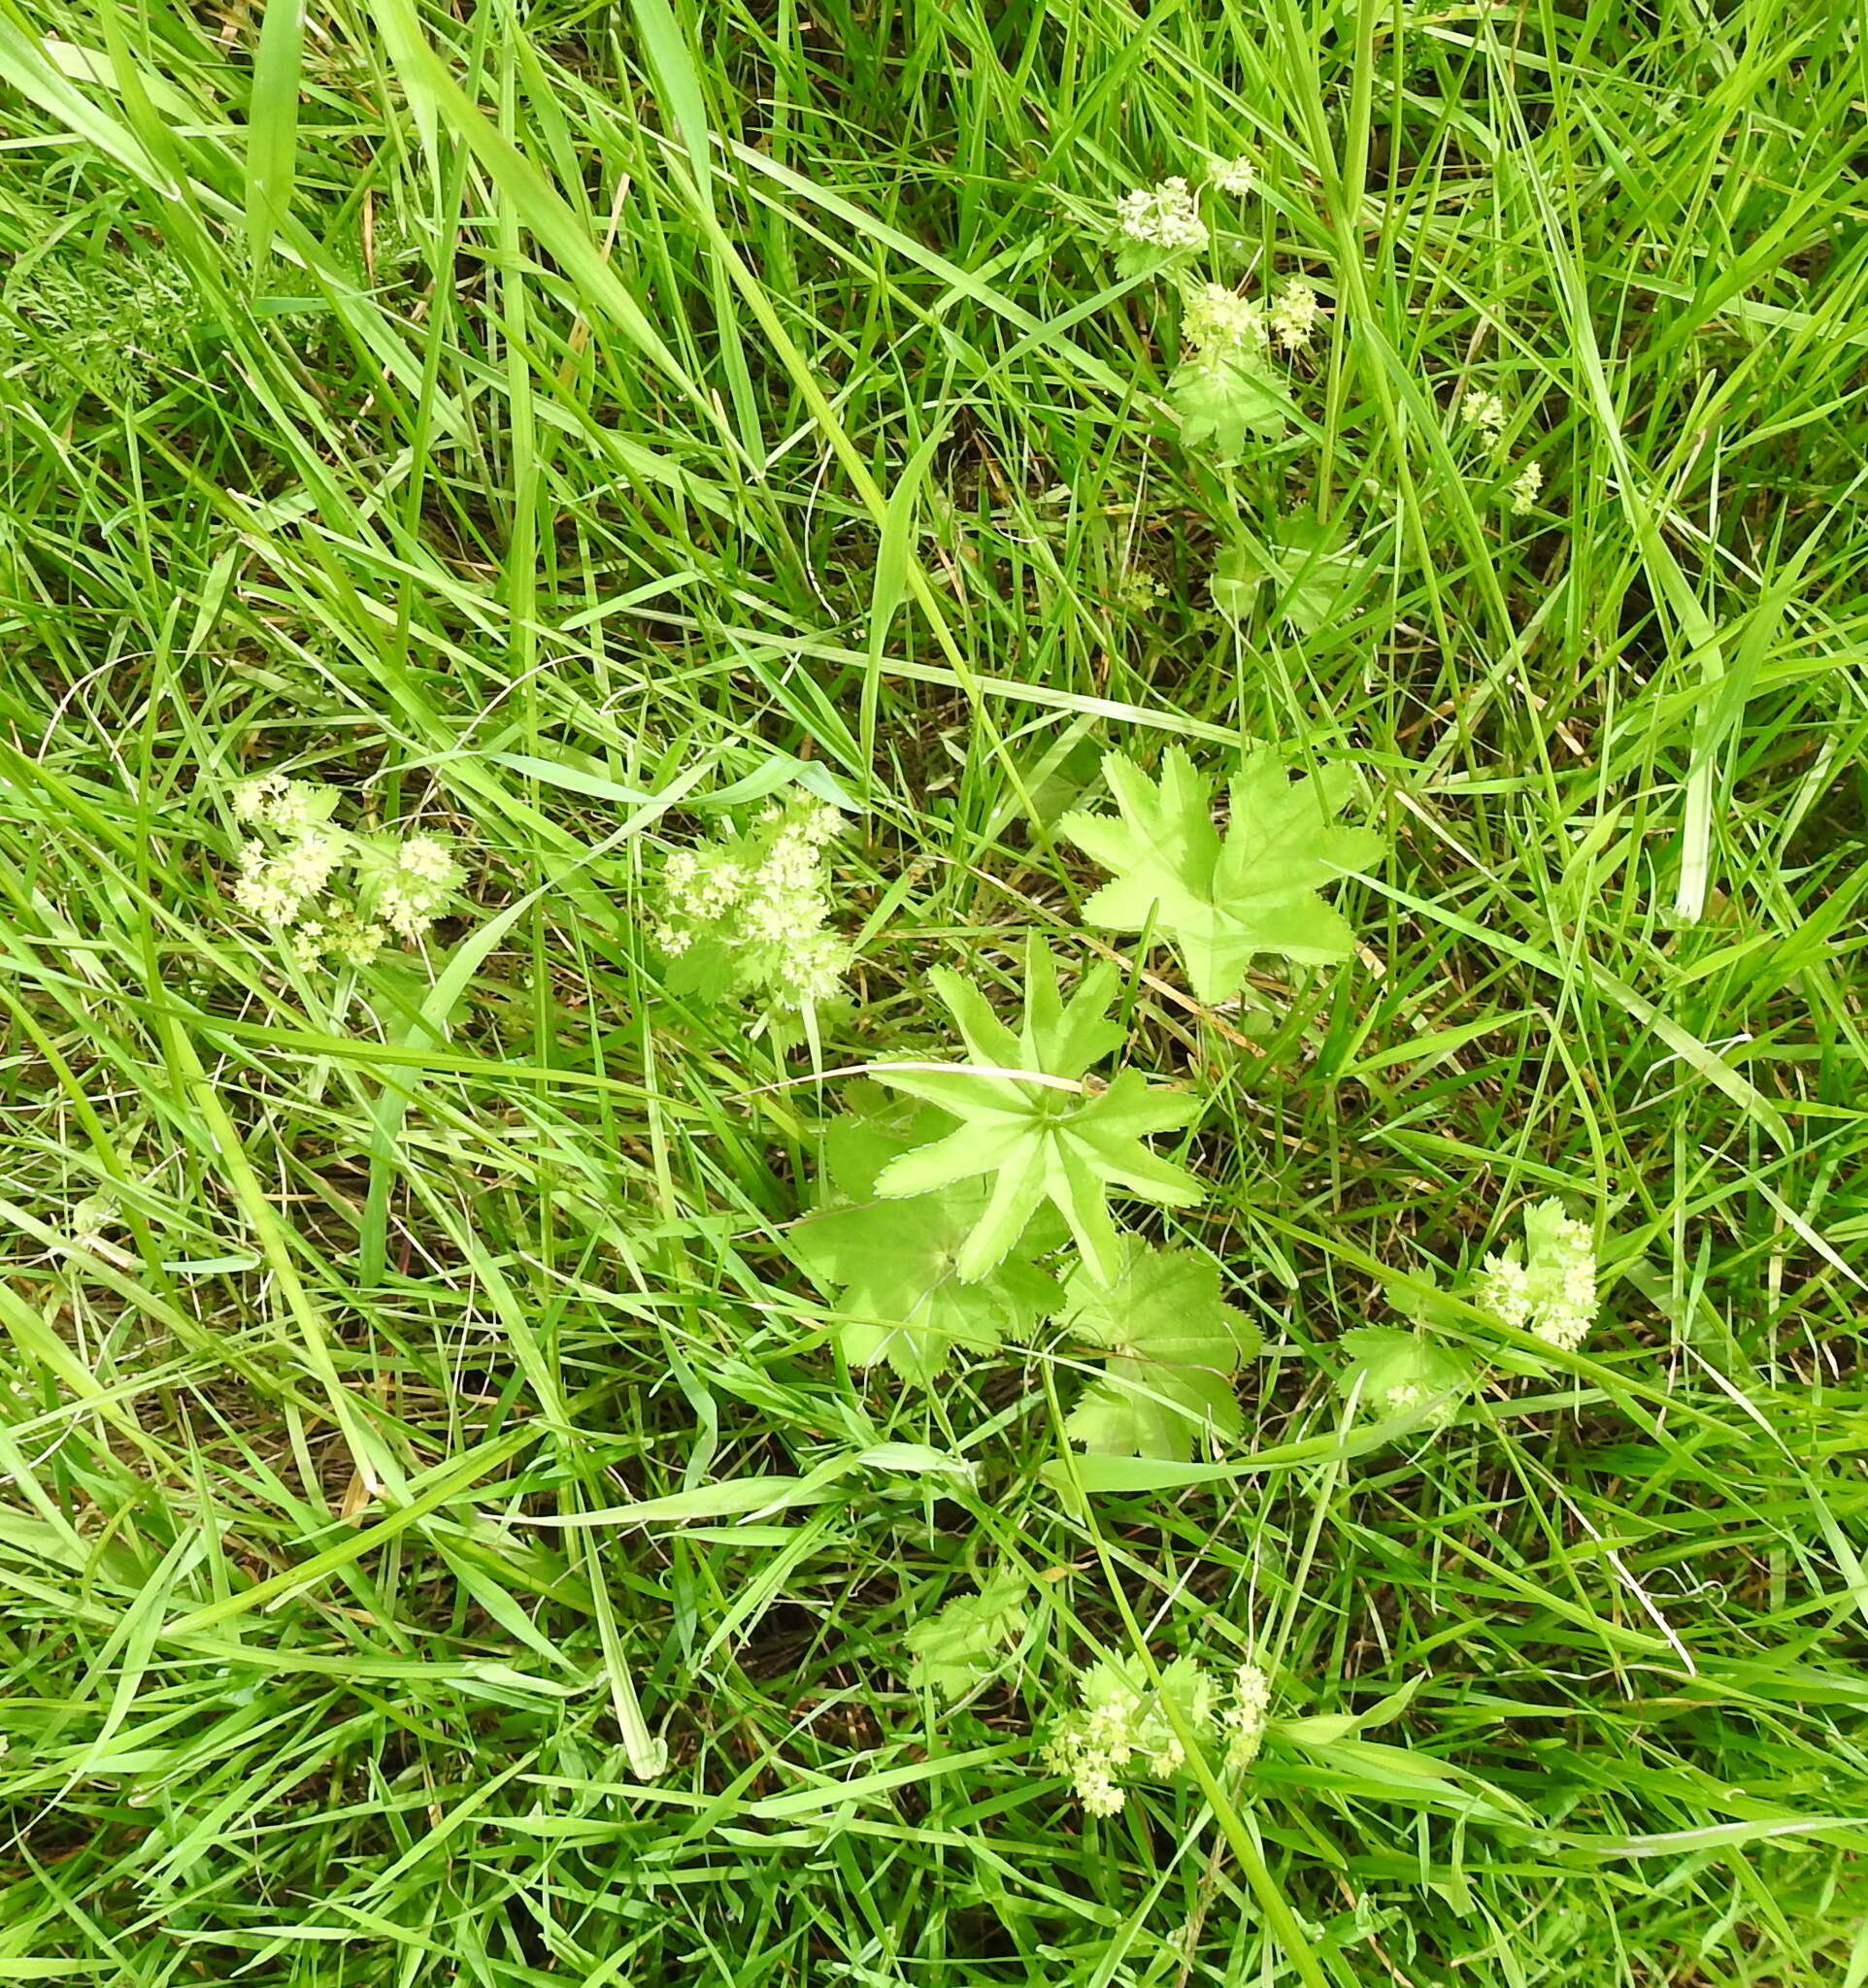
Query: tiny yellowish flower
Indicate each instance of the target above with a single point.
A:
(1436, 1409)
(761, 902)
(253, 800)
(813, 969)
(305, 865)
(300, 805)
(354, 942)
(426, 858)
(1098, 1793)
(1122, 1726)
(1550, 1290)
(285, 876)
(1246, 1716)
(263, 890)
(411, 898)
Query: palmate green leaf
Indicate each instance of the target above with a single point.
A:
(1145, 1409)
(1225, 901)
(1220, 399)
(1033, 1129)
(1174, 1345)
(1404, 1374)
(961, 1643)
(893, 1263)
(1313, 579)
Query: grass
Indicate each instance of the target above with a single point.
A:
(535, 420)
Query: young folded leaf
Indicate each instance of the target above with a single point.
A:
(1174, 1346)
(1225, 901)
(1033, 1127)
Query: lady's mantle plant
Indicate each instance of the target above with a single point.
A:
(1225, 898)
(1122, 1731)
(332, 891)
(1550, 1290)
(1173, 1346)
(1034, 1122)
(894, 1264)
(750, 913)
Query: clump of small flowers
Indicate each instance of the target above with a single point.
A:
(1294, 312)
(1411, 1398)
(1236, 177)
(283, 873)
(1483, 410)
(1246, 1716)
(753, 911)
(290, 864)
(1549, 1291)
(415, 884)
(1120, 1729)
(1525, 486)
(1217, 319)
(1163, 216)
(1409, 1380)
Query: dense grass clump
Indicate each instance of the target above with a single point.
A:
(931, 1044)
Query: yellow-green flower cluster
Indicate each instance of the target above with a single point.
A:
(1294, 312)
(1485, 410)
(1166, 215)
(1411, 1398)
(753, 911)
(1121, 1729)
(1549, 1291)
(289, 866)
(1526, 486)
(1217, 319)
(1244, 1717)
(415, 885)
(1236, 177)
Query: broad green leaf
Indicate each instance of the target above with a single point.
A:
(1220, 399)
(893, 1263)
(272, 124)
(1402, 1774)
(1404, 1374)
(1143, 258)
(1145, 1409)
(961, 1643)
(1225, 901)
(1314, 579)
(1174, 1345)
(1326, 1729)
(1165, 1307)
(1035, 1128)
(1319, 577)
